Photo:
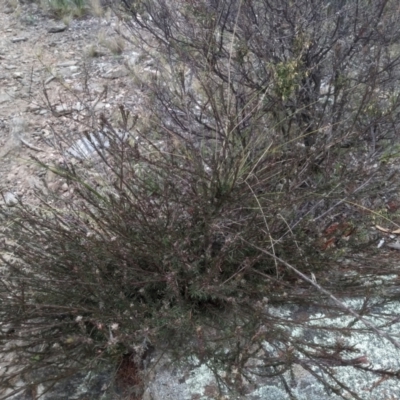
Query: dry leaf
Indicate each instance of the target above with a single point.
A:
(382, 229)
(349, 231)
(331, 229)
(329, 243)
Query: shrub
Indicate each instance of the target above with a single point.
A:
(259, 125)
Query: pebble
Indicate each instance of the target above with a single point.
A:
(57, 28)
(10, 199)
(118, 72)
(19, 39)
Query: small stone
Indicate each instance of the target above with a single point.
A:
(10, 199)
(78, 106)
(32, 108)
(64, 187)
(57, 28)
(68, 72)
(62, 110)
(54, 186)
(116, 73)
(99, 106)
(19, 39)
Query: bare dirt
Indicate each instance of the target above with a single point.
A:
(50, 73)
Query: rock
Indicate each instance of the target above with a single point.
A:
(132, 60)
(57, 28)
(115, 73)
(32, 108)
(99, 106)
(10, 199)
(62, 109)
(67, 72)
(198, 382)
(78, 106)
(86, 147)
(37, 185)
(18, 127)
(19, 39)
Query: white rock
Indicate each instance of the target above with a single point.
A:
(84, 147)
(10, 199)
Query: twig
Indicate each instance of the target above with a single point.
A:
(27, 144)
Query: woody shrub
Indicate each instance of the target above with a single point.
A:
(259, 125)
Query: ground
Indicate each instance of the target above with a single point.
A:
(43, 61)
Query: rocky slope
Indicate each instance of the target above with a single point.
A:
(48, 73)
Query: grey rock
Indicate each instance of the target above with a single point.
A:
(57, 28)
(86, 147)
(32, 108)
(10, 199)
(78, 106)
(67, 72)
(19, 39)
(186, 383)
(63, 109)
(18, 126)
(17, 129)
(8, 10)
(116, 73)
(132, 60)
